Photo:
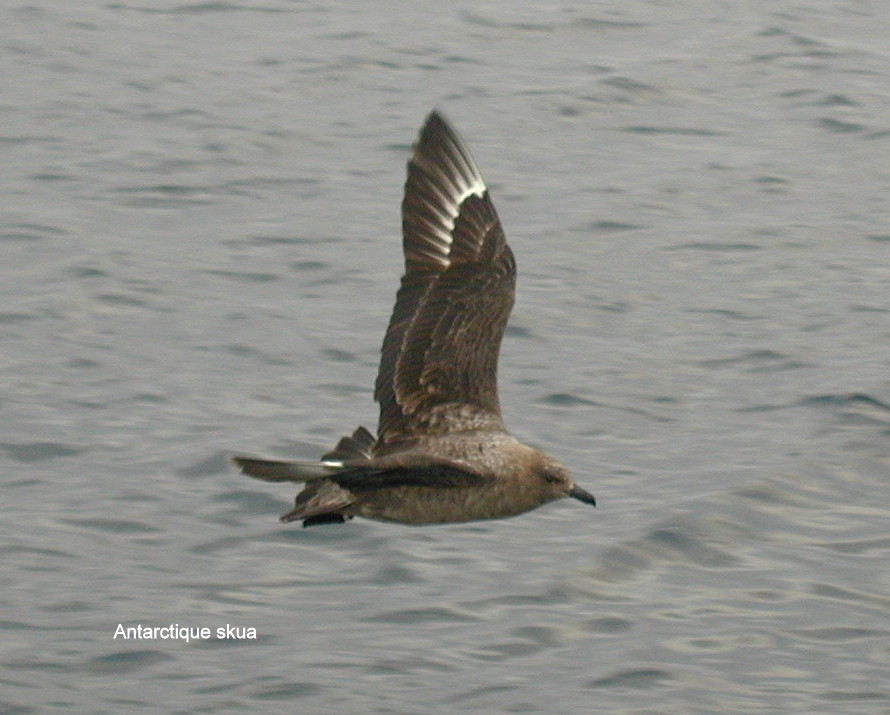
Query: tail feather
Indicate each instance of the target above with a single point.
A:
(275, 470)
(321, 502)
(349, 450)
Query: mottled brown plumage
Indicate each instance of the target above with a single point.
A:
(442, 453)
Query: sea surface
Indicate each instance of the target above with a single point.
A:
(199, 251)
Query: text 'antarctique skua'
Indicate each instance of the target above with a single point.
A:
(442, 453)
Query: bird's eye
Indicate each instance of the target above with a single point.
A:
(551, 478)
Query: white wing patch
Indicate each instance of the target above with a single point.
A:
(445, 176)
(462, 190)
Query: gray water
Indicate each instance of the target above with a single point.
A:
(200, 248)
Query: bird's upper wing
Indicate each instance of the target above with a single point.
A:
(438, 368)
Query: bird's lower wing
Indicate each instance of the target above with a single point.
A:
(438, 476)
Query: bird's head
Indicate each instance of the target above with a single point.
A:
(556, 482)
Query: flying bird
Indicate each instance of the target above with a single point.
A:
(442, 453)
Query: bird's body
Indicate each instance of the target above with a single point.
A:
(442, 453)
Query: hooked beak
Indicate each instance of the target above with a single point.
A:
(582, 495)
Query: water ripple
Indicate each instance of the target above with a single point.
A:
(38, 451)
(126, 662)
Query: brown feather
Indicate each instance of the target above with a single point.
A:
(438, 367)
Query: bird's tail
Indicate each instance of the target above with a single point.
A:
(277, 470)
(350, 451)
